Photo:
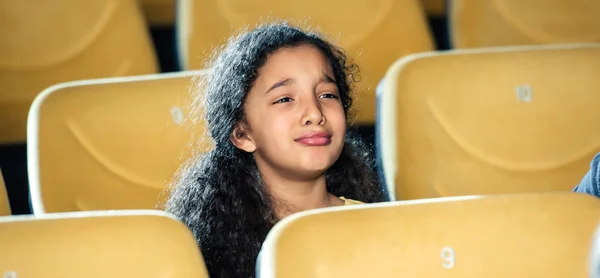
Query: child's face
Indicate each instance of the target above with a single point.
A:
(295, 115)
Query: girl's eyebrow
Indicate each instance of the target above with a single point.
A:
(285, 82)
(327, 79)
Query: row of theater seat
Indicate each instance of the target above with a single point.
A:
(523, 235)
(107, 38)
(502, 120)
(548, 234)
(492, 121)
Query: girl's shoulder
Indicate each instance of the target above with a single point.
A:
(348, 202)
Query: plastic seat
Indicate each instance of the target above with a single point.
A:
(52, 41)
(476, 23)
(122, 244)
(373, 33)
(501, 120)
(524, 235)
(110, 143)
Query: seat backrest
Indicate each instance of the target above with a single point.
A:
(53, 41)
(525, 235)
(121, 244)
(494, 121)
(373, 33)
(109, 143)
(476, 23)
(4, 204)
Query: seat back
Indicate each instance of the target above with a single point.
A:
(110, 143)
(4, 203)
(388, 30)
(526, 235)
(503, 120)
(53, 41)
(124, 244)
(476, 23)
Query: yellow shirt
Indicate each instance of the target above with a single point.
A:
(349, 202)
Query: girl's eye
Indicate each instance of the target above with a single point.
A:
(285, 99)
(329, 96)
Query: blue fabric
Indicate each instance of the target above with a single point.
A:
(590, 184)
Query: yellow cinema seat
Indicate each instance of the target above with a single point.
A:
(373, 33)
(4, 204)
(477, 23)
(122, 244)
(501, 120)
(159, 12)
(46, 42)
(497, 236)
(109, 143)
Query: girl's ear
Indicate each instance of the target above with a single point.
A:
(242, 139)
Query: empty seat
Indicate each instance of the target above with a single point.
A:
(159, 12)
(109, 143)
(476, 23)
(51, 41)
(4, 204)
(526, 235)
(373, 33)
(502, 120)
(122, 244)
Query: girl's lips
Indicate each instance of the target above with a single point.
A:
(321, 138)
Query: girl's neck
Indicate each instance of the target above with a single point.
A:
(294, 196)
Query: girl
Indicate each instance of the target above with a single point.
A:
(276, 104)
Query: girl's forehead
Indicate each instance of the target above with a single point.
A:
(286, 57)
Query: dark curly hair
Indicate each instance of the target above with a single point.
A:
(219, 195)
